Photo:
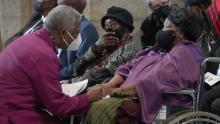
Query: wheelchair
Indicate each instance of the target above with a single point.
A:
(191, 116)
(196, 116)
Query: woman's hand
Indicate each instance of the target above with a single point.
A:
(128, 90)
(107, 87)
(116, 90)
(105, 90)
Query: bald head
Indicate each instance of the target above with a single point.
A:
(79, 5)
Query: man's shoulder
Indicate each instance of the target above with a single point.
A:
(36, 43)
(26, 48)
(86, 24)
(152, 18)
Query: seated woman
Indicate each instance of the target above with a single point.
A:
(174, 64)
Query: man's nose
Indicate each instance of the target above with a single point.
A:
(59, 2)
(108, 30)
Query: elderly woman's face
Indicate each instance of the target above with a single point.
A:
(167, 37)
(168, 25)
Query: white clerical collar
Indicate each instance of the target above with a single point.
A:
(43, 18)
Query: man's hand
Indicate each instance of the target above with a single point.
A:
(108, 40)
(104, 89)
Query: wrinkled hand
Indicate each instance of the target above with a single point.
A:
(107, 40)
(116, 90)
(104, 89)
(94, 94)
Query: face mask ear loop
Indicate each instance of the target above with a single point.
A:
(66, 42)
(178, 30)
(70, 35)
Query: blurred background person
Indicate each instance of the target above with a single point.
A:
(210, 101)
(154, 22)
(198, 7)
(41, 9)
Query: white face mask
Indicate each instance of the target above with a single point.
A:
(74, 44)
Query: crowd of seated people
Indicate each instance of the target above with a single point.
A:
(41, 9)
(135, 74)
(173, 64)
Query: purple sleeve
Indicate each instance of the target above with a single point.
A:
(126, 68)
(47, 85)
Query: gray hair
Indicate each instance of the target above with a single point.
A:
(61, 17)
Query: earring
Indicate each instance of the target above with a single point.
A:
(51, 36)
(181, 36)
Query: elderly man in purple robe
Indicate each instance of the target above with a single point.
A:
(30, 78)
(174, 64)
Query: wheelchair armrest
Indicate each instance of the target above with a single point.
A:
(183, 92)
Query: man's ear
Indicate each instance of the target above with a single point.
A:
(62, 33)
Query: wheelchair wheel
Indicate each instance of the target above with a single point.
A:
(196, 118)
(175, 115)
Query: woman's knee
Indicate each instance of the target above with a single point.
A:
(206, 100)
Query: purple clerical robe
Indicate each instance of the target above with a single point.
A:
(154, 73)
(29, 81)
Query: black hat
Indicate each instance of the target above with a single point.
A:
(122, 15)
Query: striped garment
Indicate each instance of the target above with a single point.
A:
(104, 111)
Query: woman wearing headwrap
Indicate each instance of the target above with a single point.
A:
(174, 64)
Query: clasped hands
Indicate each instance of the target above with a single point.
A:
(106, 90)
